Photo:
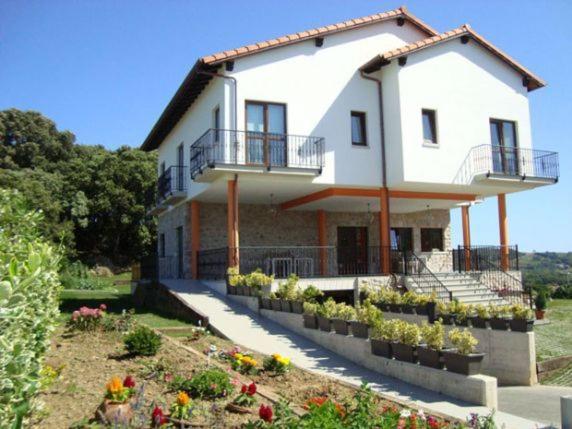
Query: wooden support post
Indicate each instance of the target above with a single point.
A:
(195, 238)
(466, 237)
(232, 223)
(384, 232)
(322, 241)
(503, 232)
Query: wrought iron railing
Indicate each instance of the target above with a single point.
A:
(212, 263)
(476, 258)
(249, 148)
(508, 161)
(425, 279)
(174, 179)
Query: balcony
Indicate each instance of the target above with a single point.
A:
(171, 188)
(501, 163)
(232, 150)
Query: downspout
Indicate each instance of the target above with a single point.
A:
(234, 92)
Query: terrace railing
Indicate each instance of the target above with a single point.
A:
(425, 279)
(173, 180)
(249, 148)
(476, 258)
(506, 161)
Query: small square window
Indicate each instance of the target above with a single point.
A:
(402, 239)
(431, 239)
(429, 126)
(359, 137)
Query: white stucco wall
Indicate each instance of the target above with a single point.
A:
(466, 86)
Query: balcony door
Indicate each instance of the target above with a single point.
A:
(352, 250)
(504, 147)
(266, 134)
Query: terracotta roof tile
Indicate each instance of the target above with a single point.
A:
(534, 81)
(332, 28)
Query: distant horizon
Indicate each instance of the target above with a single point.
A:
(106, 70)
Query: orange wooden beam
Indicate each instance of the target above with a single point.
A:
(195, 238)
(503, 232)
(466, 236)
(384, 231)
(373, 193)
(232, 223)
(322, 241)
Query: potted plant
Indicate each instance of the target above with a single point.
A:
(257, 280)
(500, 317)
(462, 313)
(409, 302)
(480, 317)
(394, 300)
(235, 281)
(463, 360)
(275, 302)
(366, 315)
(116, 407)
(522, 318)
(287, 292)
(343, 314)
(265, 302)
(406, 348)
(325, 313)
(541, 304)
(311, 294)
(383, 335)
(426, 303)
(309, 315)
(429, 353)
(444, 313)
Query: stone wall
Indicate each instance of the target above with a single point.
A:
(168, 222)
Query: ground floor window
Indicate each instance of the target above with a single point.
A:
(431, 239)
(402, 239)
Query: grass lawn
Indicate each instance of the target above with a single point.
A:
(117, 298)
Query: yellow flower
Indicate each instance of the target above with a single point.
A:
(247, 360)
(238, 356)
(115, 386)
(284, 360)
(276, 356)
(182, 399)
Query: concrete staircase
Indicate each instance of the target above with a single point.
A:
(463, 287)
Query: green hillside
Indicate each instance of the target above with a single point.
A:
(550, 270)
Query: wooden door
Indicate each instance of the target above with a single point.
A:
(352, 250)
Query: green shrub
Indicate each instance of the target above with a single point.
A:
(327, 309)
(368, 313)
(311, 294)
(208, 384)
(433, 335)
(310, 308)
(540, 301)
(289, 289)
(143, 341)
(29, 291)
(463, 341)
(344, 312)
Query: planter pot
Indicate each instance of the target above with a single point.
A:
(265, 303)
(115, 413)
(463, 364)
(448, 319)
(341, 327)
(521, 325)
(240, 290)
(230, 290)
(499, 324)
(404, 352)
(408, 308)
(430, 357)
(310, 321)
(324, 324)
(381, 348)
(359, 329)
(285, 306)
(297, 307)
(421, 309)
(539, 314)
(275, 304)
(479, 322)
(431, 307)
(461, 322)
(395, 308)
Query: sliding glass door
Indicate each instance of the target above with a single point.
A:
(266, 134)
(504, 147)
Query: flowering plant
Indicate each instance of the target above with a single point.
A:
(87, 319)
(320, 401)
(265, 413)
(277, 364)
(243, 363)
(246, 396)
(181, 408)
(120, 391)
(158, 418)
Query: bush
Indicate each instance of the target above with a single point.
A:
(327, 309)
(310, 308)
(289, 289)
(433, 335)
(142, 342)
(208, 384)
(311, 294)
(368, 313)
(540, 301)
(463, 341)
(87, 319)
(29, 290)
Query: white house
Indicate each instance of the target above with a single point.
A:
(340, 151)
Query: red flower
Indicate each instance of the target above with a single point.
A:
(158, 417)
(251, 389)
(265, 413)
(129, 382)
(318, 401)
(243, 389)
(103, 307)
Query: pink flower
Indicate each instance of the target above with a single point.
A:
(103, 307)
(75, 315)
(168, 377)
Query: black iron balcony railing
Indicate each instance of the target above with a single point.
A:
(249, 148)
(478, 258)
(506, 161)
(172, 181)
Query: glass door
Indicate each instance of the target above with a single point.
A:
(266, 134)
(504, 147)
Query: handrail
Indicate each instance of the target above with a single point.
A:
(426, 279)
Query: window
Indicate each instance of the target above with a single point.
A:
(161, 245)
(402, 239)
(359, 137)
(266, 133)
(429, 126)
(431, 238)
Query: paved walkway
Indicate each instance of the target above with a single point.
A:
(262, 335)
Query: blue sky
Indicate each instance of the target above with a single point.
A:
(106, 70)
